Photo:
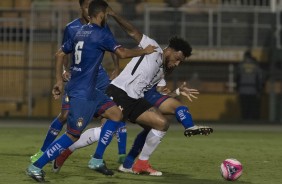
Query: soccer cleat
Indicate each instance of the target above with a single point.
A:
(55, 167)
(121, 158)
(143, 166)
(125, 170)
(59, 161)
(99, 166)
(35, 173)
(198, 130)
(36, 156)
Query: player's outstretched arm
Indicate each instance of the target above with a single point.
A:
(123, 53)
(182, 90)
(188, 92)
(58, 87)
(126, 25)
(116, 71)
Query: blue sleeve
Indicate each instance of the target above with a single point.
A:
(109, 43)
(68, 46)
(66, 35)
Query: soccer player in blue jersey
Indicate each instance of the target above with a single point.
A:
(88, 48)
(102, 82)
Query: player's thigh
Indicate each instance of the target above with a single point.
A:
(113, 113)
(64, 109)
(153, 118)
(80, 115)
(169, 106)
(63, 116)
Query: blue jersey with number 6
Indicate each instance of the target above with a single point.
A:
(88, 48)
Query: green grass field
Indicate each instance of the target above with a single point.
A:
(193, 160)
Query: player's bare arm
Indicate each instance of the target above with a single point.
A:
(66, 65)
(58, 87)
(181, 90)
(123, 53)
(126, 25)
(116, 71)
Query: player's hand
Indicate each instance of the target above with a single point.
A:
(57, 90)
(150, 49)
(189, 93)
(66, 76)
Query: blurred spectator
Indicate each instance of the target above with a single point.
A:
(249, 79)
(129, 8)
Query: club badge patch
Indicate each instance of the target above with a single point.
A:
(79, 122)
(67, 99)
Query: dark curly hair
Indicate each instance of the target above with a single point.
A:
(180, 44)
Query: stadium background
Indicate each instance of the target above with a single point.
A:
(220, 31)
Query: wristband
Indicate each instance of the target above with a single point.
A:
(177, 91)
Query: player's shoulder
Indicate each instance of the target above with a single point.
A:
(74, 24)
(146, 40)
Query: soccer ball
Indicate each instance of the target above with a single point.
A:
(231, 169)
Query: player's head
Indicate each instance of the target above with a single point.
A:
(84, 9)
(97, 9)
(176, 52)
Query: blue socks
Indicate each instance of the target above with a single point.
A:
(54, 129)
(136, 149)
(53, 151)
(184, 117)
(107, 131)
(121, 137)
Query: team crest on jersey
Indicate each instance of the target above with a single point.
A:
(79, 122)
(67, 99)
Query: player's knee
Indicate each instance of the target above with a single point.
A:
(72, 136)
(63, 116)
(116, 116)
(164, 124)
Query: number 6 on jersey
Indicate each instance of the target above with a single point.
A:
(78, 51)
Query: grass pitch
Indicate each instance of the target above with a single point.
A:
(194, 160)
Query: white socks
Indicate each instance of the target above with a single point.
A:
(152, 141)
(87, 138)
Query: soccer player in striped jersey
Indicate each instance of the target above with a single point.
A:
(88, 48)
(102, 82)
(140, 75)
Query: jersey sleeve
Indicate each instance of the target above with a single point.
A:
(145, 41)
(67, 47)
(109, 43)
(67, 35)
(162, 83)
